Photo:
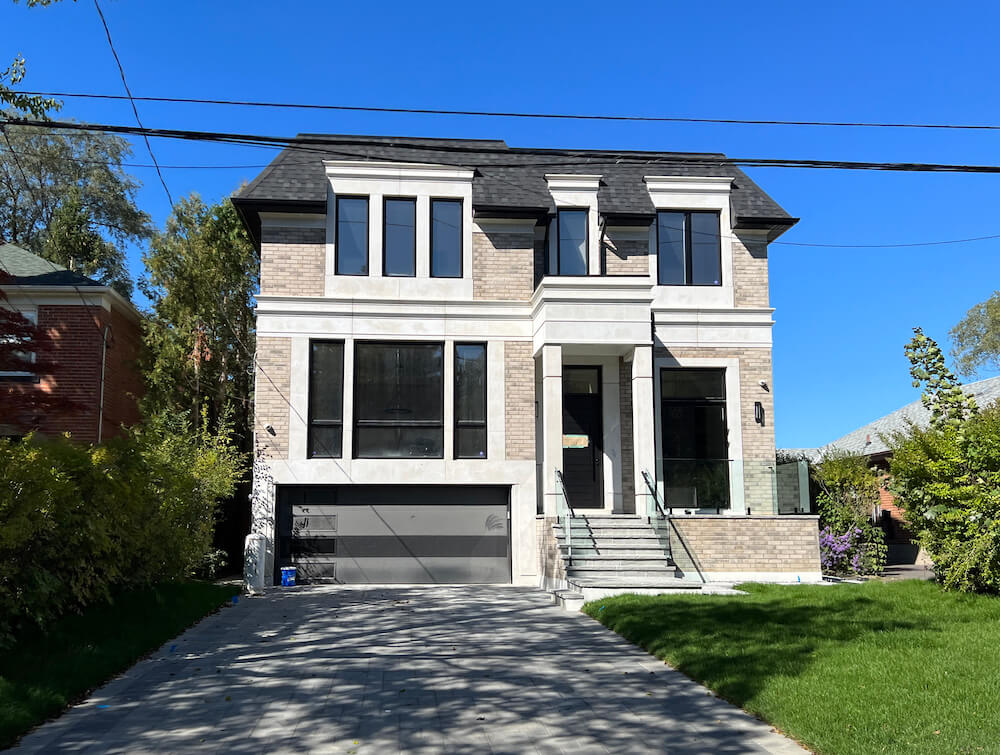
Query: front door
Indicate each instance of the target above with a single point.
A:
(582, 437)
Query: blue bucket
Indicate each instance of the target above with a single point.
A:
(288, 576)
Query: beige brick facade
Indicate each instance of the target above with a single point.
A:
(628, 257)
(758, 441)
(503, 265)
(750, 272)
(628, 442)
(519, 399)
(292, 261)
(746, 544)
(271, 395)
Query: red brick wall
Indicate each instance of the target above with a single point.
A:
(76, 333)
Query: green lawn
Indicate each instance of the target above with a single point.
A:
(42, 674)
(882, 667)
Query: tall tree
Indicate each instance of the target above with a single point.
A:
(80, 173)
(203, 273)
(976, 338)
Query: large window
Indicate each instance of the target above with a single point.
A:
(688, 249)
(446, 238)
(326, 399)
(694, 434)
(398, 400)
(351, 242)
(399, 237)
(470, 401)
(573, 236)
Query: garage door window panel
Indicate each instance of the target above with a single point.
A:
(399, 400)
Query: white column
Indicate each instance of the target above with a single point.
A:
(643, 425)
(552, 408)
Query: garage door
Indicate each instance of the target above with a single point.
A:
(362, 534)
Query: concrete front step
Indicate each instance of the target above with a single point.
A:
(625, 563)
(599, 533)
(614, 551)
(605, 575)
(569, 600)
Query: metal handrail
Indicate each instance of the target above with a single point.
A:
(656, 511)
(565, 513)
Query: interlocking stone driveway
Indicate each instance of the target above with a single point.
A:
(413, 669)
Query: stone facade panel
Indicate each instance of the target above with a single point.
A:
(745, 544)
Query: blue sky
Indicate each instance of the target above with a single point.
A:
(842, 315)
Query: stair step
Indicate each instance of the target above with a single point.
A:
(614, 551)
(581, 531)
(620, 562)
(668, 583)
(570, 600)
(604, 574)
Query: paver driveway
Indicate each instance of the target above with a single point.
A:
(415, 669)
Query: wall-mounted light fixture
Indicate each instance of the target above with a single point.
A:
(758, 413)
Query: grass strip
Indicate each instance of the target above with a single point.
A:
(882, 667)
(42, 674)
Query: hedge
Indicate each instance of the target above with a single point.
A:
(77, 522)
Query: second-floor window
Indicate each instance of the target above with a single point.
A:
(688, 248)
(351, 241)
(399, 237)
(446, 238)
(573, 237)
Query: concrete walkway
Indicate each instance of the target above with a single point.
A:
(414, 669)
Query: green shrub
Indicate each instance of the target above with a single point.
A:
(850, 543)
(947, 479)
(78, 521)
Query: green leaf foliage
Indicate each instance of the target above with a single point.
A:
(848, 494)
(946, 477)
(976, 338)
(200, 340)
(59, 188)
(78, 521)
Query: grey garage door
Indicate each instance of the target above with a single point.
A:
(358, 534)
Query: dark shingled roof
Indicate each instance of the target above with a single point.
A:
(507, 179)
(29, 269)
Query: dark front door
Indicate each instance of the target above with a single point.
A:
(582, 437)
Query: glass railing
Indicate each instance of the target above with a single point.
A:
(707, 485)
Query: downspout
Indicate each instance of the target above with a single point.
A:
(100, 405)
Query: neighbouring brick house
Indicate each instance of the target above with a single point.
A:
(465, 349)
(870, 440)
(95, 336)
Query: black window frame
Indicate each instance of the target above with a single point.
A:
(368, 235)
(385, 201)
(688, 253)
(376, 423)
(311, 420)
(586, 248)
(461, 236)
(456, 424)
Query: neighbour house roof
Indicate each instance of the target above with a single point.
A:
(29, 269)
(507, 179)
(868, 441)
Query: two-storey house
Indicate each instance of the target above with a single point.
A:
(467, 350)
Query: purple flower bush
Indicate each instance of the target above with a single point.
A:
(851, 552)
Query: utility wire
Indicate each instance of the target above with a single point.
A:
(131, 99)
(515, 114)
(584, 157)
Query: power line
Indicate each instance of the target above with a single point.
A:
(516, 114)
(584, 157)
(131, 99)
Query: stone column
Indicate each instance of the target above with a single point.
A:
(643, 425)
(552, 408)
